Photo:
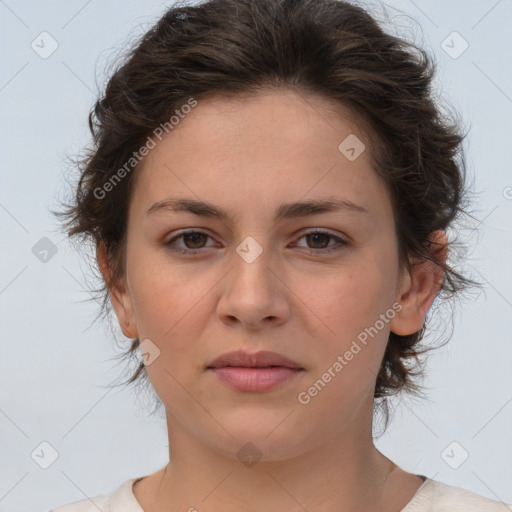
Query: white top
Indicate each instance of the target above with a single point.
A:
(432, 496)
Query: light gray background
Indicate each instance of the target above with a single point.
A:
(55, 370)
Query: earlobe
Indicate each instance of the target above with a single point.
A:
(119, 295)
(419, 288)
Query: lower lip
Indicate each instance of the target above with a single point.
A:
(255, 379)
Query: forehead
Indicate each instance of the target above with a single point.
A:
(273, 114)
(274, 142)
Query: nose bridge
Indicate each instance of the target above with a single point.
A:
(252, 262)
(252, 292)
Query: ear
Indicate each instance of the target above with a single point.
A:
(119, 295)
(419, 288)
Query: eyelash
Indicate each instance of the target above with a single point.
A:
(314, 252)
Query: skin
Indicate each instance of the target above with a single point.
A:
(249, 156)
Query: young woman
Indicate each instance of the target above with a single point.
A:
(269, 196)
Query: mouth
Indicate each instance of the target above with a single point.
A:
(262, 359)
(255, 379)
(257, 372)
(256, 367)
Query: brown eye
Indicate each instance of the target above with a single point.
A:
(194, 239)
(319, 242)
(192, 242)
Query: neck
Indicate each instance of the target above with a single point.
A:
(346, 473)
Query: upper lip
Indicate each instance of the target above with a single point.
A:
(262, 359)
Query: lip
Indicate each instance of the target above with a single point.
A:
(262, 359)
(254, 372)
(255, 380)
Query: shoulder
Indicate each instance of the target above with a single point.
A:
(439, 497)
(121, 500)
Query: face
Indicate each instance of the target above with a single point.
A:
(305, 283)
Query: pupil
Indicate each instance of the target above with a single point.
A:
(193, 237)
(318, 235)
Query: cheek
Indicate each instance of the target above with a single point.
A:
(172, 308)
(358, 295)
(162, 295)
(167, 310)
(351, 306)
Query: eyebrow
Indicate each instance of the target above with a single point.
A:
(284, 211)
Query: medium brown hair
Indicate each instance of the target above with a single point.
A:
(328, 48)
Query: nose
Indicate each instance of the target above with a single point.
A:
(254, 294)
